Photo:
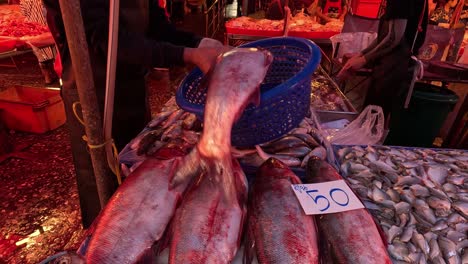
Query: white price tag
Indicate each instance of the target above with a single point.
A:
(326, 198)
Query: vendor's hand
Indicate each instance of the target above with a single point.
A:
(209, 42)
(204, 58)
(355, 63)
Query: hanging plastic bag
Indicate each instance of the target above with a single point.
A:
(366, 129)
(350, 43)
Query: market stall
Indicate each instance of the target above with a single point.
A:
(416, 196)
(243, 29)
(17, 35)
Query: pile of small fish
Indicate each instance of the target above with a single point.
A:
(418, 196)
(325, 94)
(170, 126)
(174, 124)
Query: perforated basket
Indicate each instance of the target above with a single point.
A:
(285, 92)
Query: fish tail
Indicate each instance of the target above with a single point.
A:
(186, 170)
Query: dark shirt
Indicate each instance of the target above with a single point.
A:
(158, 45)
(146, 40)
(411, 10)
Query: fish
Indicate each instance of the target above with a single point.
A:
(419, 190)
(449, 250)
(461, 207)
(279, 230)
(421, 242)
(441, 206)
(437, 174)
(138, 212)
(407, 233)
(399, 251)
(207, 226)
(288, 160)
(295, 152)
(162, 116)
(68, 257)
(319, 152)
(347, 234)
(393, 232)
(209, 222)
(283, 143)
(434, 249)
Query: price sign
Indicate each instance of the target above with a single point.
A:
(326, 198)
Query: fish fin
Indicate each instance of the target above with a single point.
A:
(262, 153)
(240, 182)
(255, 97)
(184, 171)
(146, 257)
(249, 240)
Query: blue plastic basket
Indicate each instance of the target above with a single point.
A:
(285, 92)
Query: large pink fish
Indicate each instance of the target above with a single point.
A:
(208, 225)
(137, 214)
(278, 229)
(347, 237)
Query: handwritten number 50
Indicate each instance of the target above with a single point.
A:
(317, 198)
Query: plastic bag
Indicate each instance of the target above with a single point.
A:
(366, 129)
(352, 42)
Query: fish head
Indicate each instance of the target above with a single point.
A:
(248, 66)
(69, 258)
(275, 169)
(320, 171)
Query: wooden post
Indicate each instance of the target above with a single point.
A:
(73, 23)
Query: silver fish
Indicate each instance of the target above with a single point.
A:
(429, 236)
(295, 152)
(455, 218)
(407, 180)
(394, 195)
(434, 249)
(449, 250)
(423, 209)
(449, 187)
(379, 196)
(411, 164)
(402, 207)
(456, 236)
(319, 152)
(399, 251)
(393, 232)
(407, 233)
(440, 225)
(441, 206)
(462, 227)
(419, 190)
(382, 166)
(457, 180)
(288, 160)
(461, 207)
(372, 157)
(437, 174)
(421, 242)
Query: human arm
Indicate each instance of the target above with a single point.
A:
(323, 17)
(137, 49)
(161, 29)
(394, 34)
(344, 10)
